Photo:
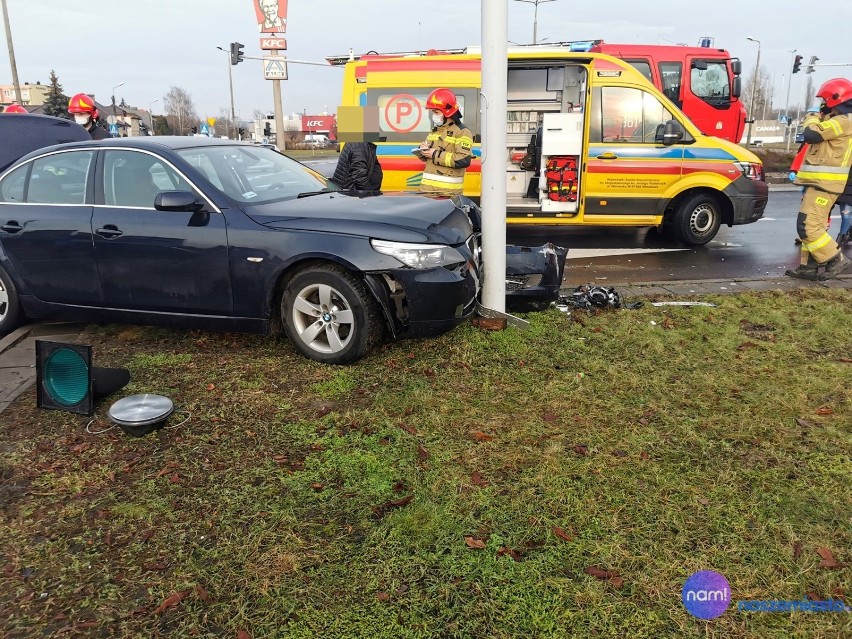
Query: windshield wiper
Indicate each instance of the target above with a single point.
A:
(310, 193)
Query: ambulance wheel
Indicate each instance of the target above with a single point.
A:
(696, 221)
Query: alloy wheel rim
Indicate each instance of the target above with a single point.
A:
(4, 302)
(323, 318)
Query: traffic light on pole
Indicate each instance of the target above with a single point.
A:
(810, 68)
(237, 52)
(797, 64)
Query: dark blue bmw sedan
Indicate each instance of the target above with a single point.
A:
(207, 233)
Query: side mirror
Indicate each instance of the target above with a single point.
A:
(178, 201)
(701, 65)
(737, 88)
(672, 133)
(736, 67)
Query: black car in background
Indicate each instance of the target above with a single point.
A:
(209, 233)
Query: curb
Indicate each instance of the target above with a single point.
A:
(692, 288)
(14, 337)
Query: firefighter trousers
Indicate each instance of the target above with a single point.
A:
(810, 225)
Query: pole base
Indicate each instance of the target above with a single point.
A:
(511, 320)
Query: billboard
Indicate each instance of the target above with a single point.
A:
(765, 132)
(271, 15)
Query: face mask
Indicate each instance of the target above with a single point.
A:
(437, 119)
(82, 118)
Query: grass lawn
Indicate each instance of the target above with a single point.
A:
(559, 482)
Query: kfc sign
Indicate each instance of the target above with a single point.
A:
(273, 44)
(271, 15)
(317, 122)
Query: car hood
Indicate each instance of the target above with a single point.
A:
(403, 217)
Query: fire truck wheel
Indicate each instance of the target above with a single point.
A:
(696, 221)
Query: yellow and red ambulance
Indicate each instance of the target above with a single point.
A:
(611, 149)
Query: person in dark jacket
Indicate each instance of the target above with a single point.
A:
(358, 168)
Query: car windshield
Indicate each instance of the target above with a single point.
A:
(253, 175)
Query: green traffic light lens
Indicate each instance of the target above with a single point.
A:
(66, 377)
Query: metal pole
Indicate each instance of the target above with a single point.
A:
(791, 130)
(12, 62)
(280, 142)
(787, 102)
(495, 36)
(535, 24)
(151, 113)
(233, 111)
(753, 88)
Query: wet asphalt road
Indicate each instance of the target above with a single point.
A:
(634, 255)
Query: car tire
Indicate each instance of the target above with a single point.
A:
(696, 221)
(10, 306)
(330, 316)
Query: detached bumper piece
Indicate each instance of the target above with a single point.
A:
(533, 276)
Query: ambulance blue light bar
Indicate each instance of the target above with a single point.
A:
(582, 46)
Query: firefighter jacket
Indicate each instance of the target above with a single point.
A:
(444, 171)
(829, 155)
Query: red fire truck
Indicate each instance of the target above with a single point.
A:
(704, 82)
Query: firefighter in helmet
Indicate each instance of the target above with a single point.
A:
(82, 107)
(15, 108)
(823, 174)
(448, 149)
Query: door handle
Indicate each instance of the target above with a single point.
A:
(609, 155)
(12, 226)
(109, 231)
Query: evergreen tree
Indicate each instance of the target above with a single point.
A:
(56, 103)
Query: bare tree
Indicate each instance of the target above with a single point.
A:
(762, 87)
(180, 110)
(292, 128)
(223, 123)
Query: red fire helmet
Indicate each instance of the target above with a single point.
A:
(443, 100)
(82, 103)
(835, 91)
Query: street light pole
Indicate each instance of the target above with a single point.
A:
(12, 62)
(535, 16)
(753, 88)
(151, 113)
(231, 84)
(114, 115)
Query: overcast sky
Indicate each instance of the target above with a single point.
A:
(151, 45)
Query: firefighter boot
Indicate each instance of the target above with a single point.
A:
(807, 271)
(835, 266)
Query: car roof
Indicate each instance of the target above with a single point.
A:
(155, 144)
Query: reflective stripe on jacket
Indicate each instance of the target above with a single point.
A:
(827, 163)
(444, 173)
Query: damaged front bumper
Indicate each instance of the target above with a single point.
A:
(423, 303)
(533, 275)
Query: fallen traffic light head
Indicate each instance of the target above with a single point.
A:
(67, 381)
